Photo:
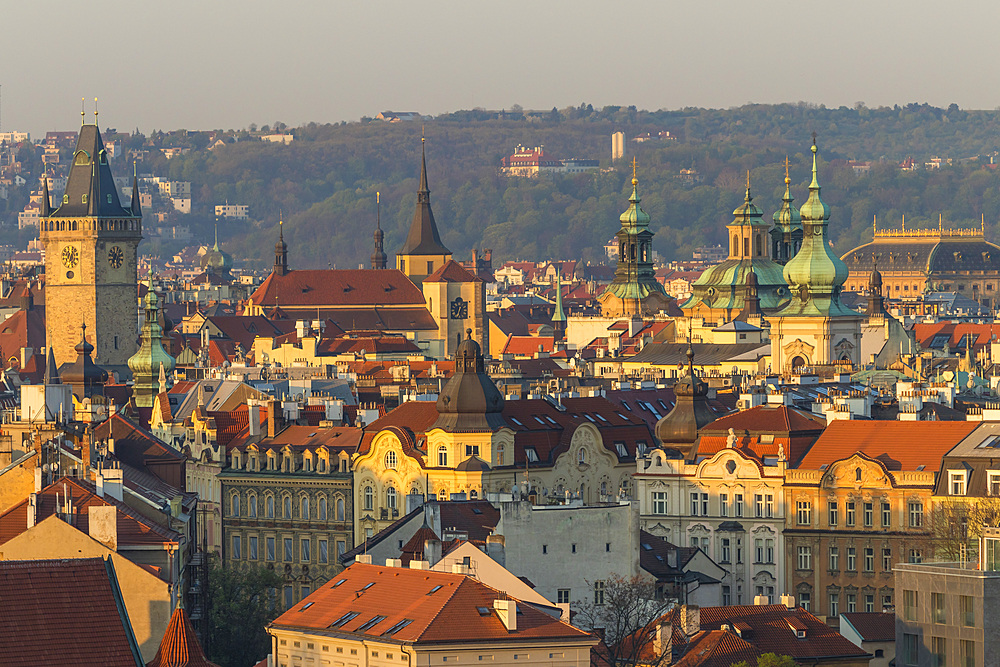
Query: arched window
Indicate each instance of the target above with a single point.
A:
(390, 498)
(746, 247)
(235, 506)
(390, 460)
(581, 456)
(304, 508)
(252, 506)
(341, 514)
(322, 508)
(286, 507)
(269, 507)
(369, 498)
(500, 453)
(442, 493)
(473, 494)
(857, 474)
(443, 456)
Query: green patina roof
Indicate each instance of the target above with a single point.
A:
(145, 363)
(634, 217)
(786, 217)
(722, 286)
(815, 275)
(748, 213)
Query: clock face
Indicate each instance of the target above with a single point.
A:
(70, 256)
(459, 309)
(115, 257)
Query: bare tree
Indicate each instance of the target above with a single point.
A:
(958, 523)
(627, 616)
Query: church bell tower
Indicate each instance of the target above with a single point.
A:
(91, 243)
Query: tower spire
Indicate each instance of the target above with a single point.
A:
(378, 254)
(281, 249)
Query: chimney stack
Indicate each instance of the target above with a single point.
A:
(691, 619)
(103, 525)
(32, 507)
(254, 421)
(507, 611)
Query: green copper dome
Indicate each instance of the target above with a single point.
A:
(145, 364)
(815, 275)
(787, 217)
(748, 213)
(634, 217)
(215, 259)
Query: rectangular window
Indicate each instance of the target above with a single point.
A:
(598, 592)
(758, 504)
(834, 559)
(804, 512)
(869, 559)
(834, 604)
(694, 504)
(869, 515)
(253, 548)
(759, 550)
(887, 560)
(704, 504)
(916, 556)
(659, 502)
(288, 550)
(804, 601)
(869, 603)
(562, 596)
(739, 550)
(727, 596)
(886, 515)
(304, 549)
(852, 559)
(939, 650)
(937, 606)
(769, 550)
(850, 514)
(968, 611)
(833, 513)
(270, 548)
(738, 500)
(723, 504)
(852, 603)
(288, 597)
(324, 553)
(967, 655)
(341, 548)
(237, 543)
(910, 600)
(725, 550)
(769, 505)
(994, 483)
(805, 558)
(956, 482)
(909, 649)
(916, 515)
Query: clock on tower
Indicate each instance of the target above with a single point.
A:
(459, 309)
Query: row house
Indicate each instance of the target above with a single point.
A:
(288, 505)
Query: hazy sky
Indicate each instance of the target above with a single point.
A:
(214, 64)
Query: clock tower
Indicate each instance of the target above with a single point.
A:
(91, 244)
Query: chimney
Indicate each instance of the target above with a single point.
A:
(496, 549)
(254, 416)
(662, 642)
(759, 600)
(691, 619)
(85, 453)
(26, 354)
(103, 524)
(393, 562)
(38, 479)
(363, 558)
(419, 565)
(507, 611)
(113, 483)
(788, 601)
(273, 415)
(33, 506)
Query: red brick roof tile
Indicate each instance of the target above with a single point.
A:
(873, 626)
(718, 648)
(179, 646)
(338, 287)
(891, 442)
(63, 612)
(452, 272)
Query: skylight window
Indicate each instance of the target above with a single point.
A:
(343, 620)
(338, 583)
(306, 606)
(622, 450)
(539, 420)
(483, 611)
(622, 416)
(625, 405)
(531, 454)
(663, 405)
(646, 547)
(434, 590)
(551, 420)
(992, 441)
(366, 587)
(367, 625)
(589, 417)
(476, 510)
(515, 420)
(396, 628)
(601, 417)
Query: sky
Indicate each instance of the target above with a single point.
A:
(220, 64)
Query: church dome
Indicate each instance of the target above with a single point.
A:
(679, 429)
(216, 260)
(470, 401)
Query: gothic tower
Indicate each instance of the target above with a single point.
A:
(91, 243)
(378, 255)
(423, 253)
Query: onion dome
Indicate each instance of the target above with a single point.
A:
(145, 364)
(469, 401)
(748, 213)
(787, 217)
(86, 377)
(679, 429)
(634, 216)
(215, 260)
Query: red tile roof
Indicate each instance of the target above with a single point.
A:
(873, 626)
(449, 614)
(718, 648)
(791, 428)
(64, 612)
(338, 288)
(528, 345)
(133, 528)
(891, 442)
(452, 272)
(179, 646)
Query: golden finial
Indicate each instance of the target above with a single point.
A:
(874, 225)
(904, 222)
(95, 111)
(635, 181)
(788, 179)
(83, 111)
(422, 127)
(748, 179)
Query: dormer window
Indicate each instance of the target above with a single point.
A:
(956, 482)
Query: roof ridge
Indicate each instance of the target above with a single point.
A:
(443, 604)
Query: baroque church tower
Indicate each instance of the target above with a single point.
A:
(423, 253)
(91, 244)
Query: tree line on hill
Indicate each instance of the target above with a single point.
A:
(323, 183)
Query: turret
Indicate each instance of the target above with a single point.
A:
(281, 251)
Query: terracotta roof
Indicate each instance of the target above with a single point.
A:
(414, 548)
(337, 288)
(888, 441)
(133, 528)
(718, 648)
(244, 329)
(179, 646)
(451, 613)
(873, 626)
(369, 345)
(767, 628)
(336, 438)
(64, 612)
(528, 344)
(452, 272)
(790, 428)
